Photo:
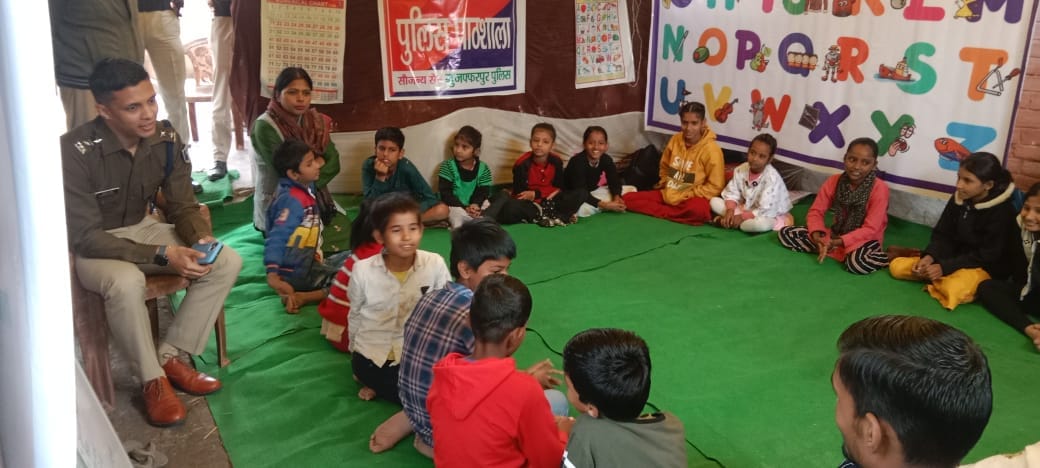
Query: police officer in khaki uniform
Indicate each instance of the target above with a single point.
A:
(114, 168)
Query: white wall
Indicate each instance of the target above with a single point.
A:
(37, 388)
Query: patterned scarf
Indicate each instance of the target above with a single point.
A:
(850, 205)
(312, 127)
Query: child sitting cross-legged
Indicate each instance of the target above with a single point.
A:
(383, 290)
(484, 412)
(292, 250)
(465, 181)
(756, 199)
(439, 325)
(538, 195)
(608, 382)
(594, 176)
(975, 239)
(859, 201)
(388, 170)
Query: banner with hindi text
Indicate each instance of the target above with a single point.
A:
(443, 50)
(930, 81)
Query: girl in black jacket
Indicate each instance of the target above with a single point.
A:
(973, 240)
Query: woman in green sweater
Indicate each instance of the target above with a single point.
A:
(290, 116)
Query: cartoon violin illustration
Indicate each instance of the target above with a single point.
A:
(723, 112)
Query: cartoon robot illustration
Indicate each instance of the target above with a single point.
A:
(830, 63)
(758, 115)
(900, 145)
(761, 59)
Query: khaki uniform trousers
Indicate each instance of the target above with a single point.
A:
(221, 43)
(122, 285)
(160, 33)
(79, 105)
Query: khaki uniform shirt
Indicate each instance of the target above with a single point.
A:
(106, 187)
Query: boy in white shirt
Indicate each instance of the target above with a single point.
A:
(383, 291)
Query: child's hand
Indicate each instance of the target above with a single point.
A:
(564, 423)
(382, 169)
(822, 246)
(921, 264)
(543, 372)
(526, 195)
(731, 220)
(473, 211)
(931, 272)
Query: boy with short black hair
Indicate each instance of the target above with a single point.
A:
(485, 412)
(608, 382)
(389, 171)
(911, 391)
(439, 325)
(296, 268)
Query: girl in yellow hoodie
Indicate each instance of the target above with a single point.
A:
(692, 172)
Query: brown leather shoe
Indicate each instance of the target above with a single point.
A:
(189, 380)
(161, 403)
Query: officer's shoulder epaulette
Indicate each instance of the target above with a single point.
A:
(166, 132)
(85, 145)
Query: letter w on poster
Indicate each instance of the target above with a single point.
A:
(308, 34)
(444, 50)
(930, 81)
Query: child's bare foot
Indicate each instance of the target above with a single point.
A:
(389, 433)
(422, 447)
(366, 394)
(1033, 331)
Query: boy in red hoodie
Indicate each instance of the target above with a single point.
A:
(484, 411)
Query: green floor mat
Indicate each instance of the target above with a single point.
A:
(215, 192)
(742, 333)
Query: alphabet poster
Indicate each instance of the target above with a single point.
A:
(603, 44)
(930, 80)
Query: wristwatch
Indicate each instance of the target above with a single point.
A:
(160, 257)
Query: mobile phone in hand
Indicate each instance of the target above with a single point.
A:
(211, 250)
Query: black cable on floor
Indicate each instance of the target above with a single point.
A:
(648, 403)
(620, 259)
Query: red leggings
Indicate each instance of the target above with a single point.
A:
(695, 211)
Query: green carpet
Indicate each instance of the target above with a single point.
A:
(215, 192)
(742, 334)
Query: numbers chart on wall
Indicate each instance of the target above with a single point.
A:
(308, 34)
